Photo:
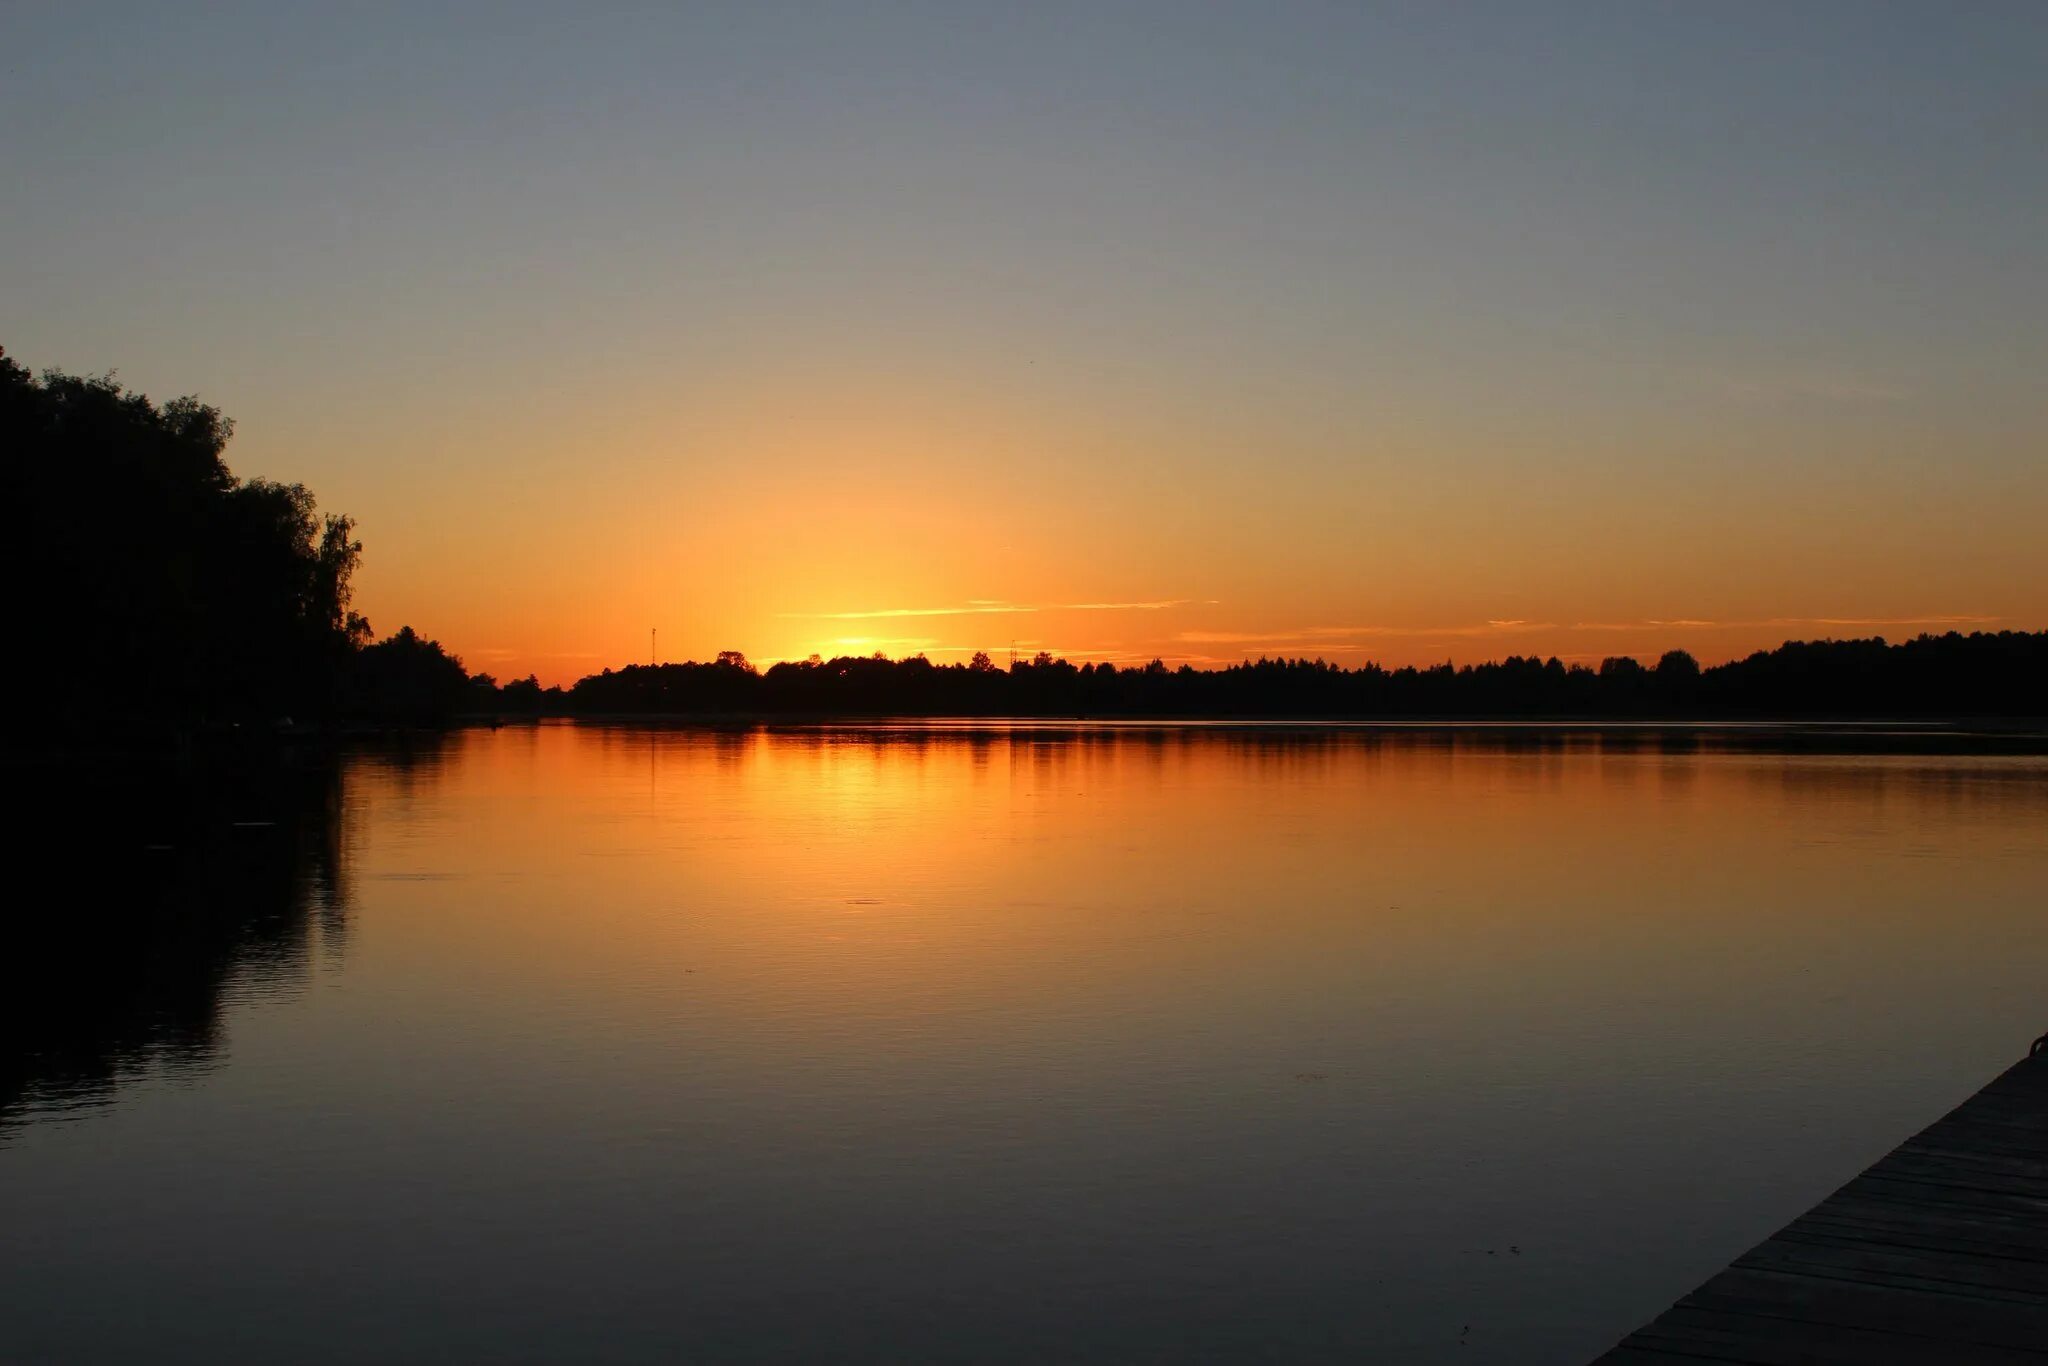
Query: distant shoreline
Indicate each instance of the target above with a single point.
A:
(2016, 736)
(1989, 736)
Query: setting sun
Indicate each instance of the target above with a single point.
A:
(1084, 682)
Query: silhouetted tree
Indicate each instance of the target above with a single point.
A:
(523, 695)
(167, 591)
(1677, 665)
(408, 678)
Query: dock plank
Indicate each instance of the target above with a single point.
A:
(1763, 1341)
(1937, 1253)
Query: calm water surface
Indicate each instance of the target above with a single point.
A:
(628, 1045)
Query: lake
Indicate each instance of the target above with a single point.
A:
(982, 1043)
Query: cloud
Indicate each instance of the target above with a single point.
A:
(987, 606)
(1960, 620)
(1311, 638)
(1699, 624)
(870, 642)
(1233, 637)
(1308, 637)
(972, 609)
(1494, 627)
(1161, 605)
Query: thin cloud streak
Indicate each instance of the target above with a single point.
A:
(923, 642)
(1159, 606)
(989, 606)
(1337, 635)
(1883, 621)
(968, 611)
(1026, 649)
(1693, 623)
(1358, 637)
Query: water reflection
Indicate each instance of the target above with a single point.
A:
(1021, 1042)
(162, 893)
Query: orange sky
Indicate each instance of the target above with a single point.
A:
(909, 516)
(1426, 333)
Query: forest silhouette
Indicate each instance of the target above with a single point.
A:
(1977, 675)
(168, 598)
(160, 594)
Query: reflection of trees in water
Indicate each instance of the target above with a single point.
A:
(1291, 740)
(1949, 770)
(404, 765)
(144, 900)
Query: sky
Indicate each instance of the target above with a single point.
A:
(1396, 332)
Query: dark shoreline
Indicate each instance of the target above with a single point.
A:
(228, 749)
(2015, 736)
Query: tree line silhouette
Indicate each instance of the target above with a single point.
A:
(165, 595)
(2001, 673)
(157, 593)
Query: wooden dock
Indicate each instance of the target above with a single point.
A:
(1937, 1254)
